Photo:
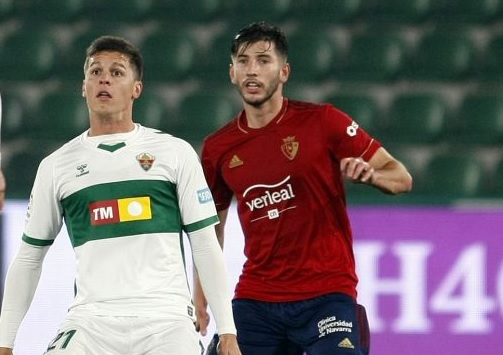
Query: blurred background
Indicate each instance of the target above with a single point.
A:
(425, 77)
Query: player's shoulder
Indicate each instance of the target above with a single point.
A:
(228, 130)
(310, 112)
(310, 107)
(164, 138)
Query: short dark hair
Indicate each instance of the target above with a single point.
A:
(117, 44)
(260, 31)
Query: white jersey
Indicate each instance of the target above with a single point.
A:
(125, 205)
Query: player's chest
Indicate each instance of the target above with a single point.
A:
(271, 158)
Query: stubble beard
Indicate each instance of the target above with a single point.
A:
(259, 101)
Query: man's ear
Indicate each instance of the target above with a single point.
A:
(137, 90)
(83, 89)
(231, 74)
(285, 73)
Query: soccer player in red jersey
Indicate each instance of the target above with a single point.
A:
(285, 163)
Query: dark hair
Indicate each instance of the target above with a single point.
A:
(117, 44)
(260, 31)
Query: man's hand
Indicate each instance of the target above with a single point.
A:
(228, 345)
(357, 170)
(6, 351)
(202, 318)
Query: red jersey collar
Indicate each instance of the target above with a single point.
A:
(243, 125)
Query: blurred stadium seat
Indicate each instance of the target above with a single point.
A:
(7, 10)
(495, 187)
(323, 12)
(243, 13)
(169, 55)
(313, 56)
(50, 11)
(118, 11)
(361, 107)
(191, 11)
(217, 58)
(151, 110)
(408, 12)
(491, 70)
(202, 112)
(449, 176)
(469, 11)
(479, 121)
(415, 118)
(443, 56)
(21, 168)
(28, 54)
(15, 116)
(59, 116)
(377, 56)
(71, 67)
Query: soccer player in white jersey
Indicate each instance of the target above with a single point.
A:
(126, 193)
(2, 189)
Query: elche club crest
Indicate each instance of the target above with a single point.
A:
(146, 160)
(290, 147)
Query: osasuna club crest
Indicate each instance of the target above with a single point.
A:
(290, 147)
(146, 160)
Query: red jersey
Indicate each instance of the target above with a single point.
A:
(290, 199)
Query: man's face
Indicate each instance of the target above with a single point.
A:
(110, 85)
(258, 72)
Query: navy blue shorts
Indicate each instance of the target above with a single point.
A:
(325, 325)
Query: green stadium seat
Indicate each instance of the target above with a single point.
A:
(191, 11)
(214, 69)
(483, 12)
(168, 55)
(313, 56)
(151, 110)
(491, 70)
(443, 56)
(118, 11)
(495, 187)
(361, 107)
(314, 13)
(202, 112)
(243, 13)
(29, 54)
(374, 57)
(51, 11)
(479, 121)
(59, 116)
(451, 176)
(409, 12)
(7, 9)
(20, 170)
(72, 66)
(415, 119)
(15, 116)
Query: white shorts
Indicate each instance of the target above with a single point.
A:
(108, 335)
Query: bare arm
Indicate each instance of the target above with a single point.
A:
(2, 190)
(200, 302)
(382, 171)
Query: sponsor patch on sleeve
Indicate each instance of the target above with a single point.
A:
(204, 195)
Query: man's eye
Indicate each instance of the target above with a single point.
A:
(117, 73)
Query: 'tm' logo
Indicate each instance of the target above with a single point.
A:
(121, 210)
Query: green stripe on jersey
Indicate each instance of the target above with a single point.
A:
(37, 242)
(201, 224)
(165, 212)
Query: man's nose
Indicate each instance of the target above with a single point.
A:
(105, 79)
